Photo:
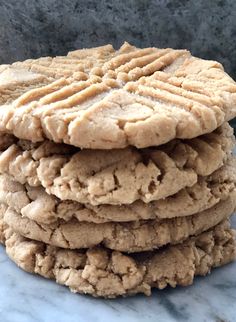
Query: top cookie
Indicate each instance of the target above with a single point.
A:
(101, 98)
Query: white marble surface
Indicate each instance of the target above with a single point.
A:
(29, 298)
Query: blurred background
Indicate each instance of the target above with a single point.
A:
(29, 28)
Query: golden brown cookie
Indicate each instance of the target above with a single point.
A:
(127, 237)
(34, 203)
(3, 225)
(105, 273)
(120, 176)
(101, 98)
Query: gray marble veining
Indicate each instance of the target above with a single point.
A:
(30, 298)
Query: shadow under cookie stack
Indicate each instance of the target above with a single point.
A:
(117, 173)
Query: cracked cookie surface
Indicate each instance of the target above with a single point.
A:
(34, 203)
(101, 272)
(101, 98)
(128, 237)
(120, 176)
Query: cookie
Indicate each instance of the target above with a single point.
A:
(105, 273)
(120, 176)
(104, 99)
(3, 225)
(127, 237)
(34, 203)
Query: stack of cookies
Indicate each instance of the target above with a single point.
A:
(117, 173)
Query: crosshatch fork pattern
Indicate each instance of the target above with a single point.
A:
(102, 98)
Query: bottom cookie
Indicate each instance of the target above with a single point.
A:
(102, 272)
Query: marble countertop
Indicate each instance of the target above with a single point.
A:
(30, 298)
